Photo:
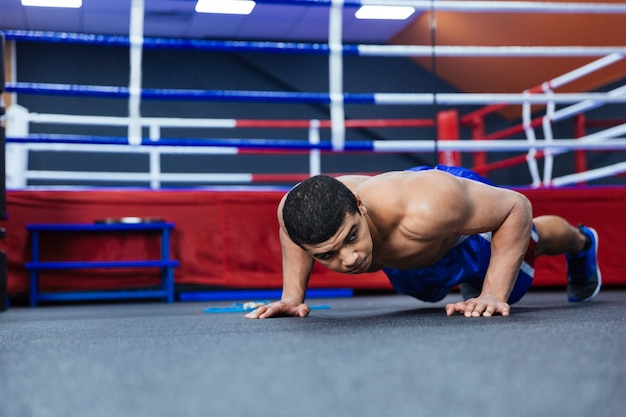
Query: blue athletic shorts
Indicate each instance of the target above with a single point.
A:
(456, 171)
(467, 262)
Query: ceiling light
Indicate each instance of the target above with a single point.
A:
(73, 4)
(384, 12)
(225, 6)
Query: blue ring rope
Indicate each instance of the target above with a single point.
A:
(275, 144)
(168, 43)
(194, 95)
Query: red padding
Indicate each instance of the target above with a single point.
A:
(448, 129)
(230, 238)
(221, 238)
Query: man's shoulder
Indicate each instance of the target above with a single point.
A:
(353, 181)
(401, 179)
(426, 184)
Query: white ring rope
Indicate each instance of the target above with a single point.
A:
(554, 116)
(499, 146)
(591, 143)
(492, 98)
(594, 174)
(507, 6)
(487, 51)
(123, 121)
(531, 160)
(587, 105)
(141, 176)
(585, 69)
(549, 146)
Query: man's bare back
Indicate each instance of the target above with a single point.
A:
(410, 224)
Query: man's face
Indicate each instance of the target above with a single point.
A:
(349, 250)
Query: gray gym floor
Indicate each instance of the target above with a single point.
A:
(380, 355)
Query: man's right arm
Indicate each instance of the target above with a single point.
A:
(297, 267)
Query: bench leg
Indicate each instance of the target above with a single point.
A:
(34, 287)
(3, 281)
(168, 283)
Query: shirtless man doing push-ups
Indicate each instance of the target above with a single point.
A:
(429, 230)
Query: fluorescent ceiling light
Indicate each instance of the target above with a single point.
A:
(225, 6)
(384, 12)
(72, 4)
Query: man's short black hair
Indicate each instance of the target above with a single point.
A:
(316, 208)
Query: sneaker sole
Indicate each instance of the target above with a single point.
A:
(597, 290)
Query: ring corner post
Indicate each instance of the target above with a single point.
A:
(335, 64)
(448, 129)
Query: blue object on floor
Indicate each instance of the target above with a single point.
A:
(262, 294)
(237, 307)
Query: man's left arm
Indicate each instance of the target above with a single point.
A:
(509, 216)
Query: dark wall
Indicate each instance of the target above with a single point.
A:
(2, 137)
(3, 213)
(178, 69)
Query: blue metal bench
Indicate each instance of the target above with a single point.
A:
(165, 292)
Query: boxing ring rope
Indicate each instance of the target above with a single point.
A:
(318, 48)
(382, 146)
(155, 145)
(528, 125)
(386, 146)
(336, 98)
(458, 99)
(477, 6)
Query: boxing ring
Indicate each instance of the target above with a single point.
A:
(212, 212)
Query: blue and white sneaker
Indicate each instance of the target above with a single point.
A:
(583, 273)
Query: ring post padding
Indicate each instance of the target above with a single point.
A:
(134, 88)
(335, 63)
(315, 163)
(16, 156)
